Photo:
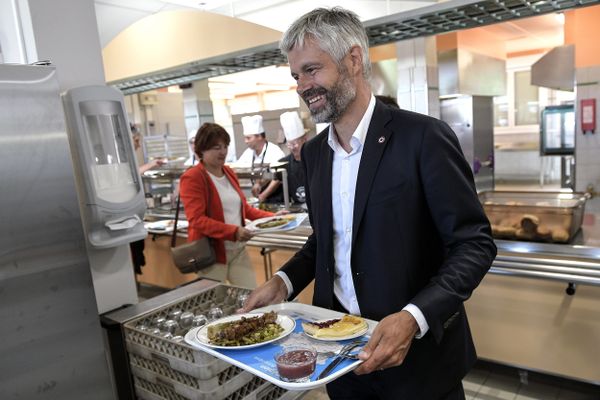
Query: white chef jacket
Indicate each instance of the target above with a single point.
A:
(270, 153)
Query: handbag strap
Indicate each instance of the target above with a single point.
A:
(174, 236)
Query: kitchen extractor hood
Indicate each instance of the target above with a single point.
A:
(556, 69)
(443, 17)
(465, 72)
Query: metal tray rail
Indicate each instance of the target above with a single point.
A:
(179, 355)
(225, 383)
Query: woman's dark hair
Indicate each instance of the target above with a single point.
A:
(209, 135)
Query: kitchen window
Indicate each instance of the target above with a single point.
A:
(520, 108)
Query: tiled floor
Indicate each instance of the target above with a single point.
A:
(493, 382)
(489, 381)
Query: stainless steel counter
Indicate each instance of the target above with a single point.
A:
(575, 263)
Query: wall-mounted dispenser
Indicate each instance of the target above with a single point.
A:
(111, 193)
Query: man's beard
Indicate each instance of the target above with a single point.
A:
(337, 99)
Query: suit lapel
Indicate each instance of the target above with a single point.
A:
(375, 143)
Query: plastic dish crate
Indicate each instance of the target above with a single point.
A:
(256, 389)
(179, 355)
(218, 387)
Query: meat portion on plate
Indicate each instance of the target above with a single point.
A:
(245, 330)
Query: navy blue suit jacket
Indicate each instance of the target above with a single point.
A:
(419, 236)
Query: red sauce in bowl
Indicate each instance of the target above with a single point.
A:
(296, 364)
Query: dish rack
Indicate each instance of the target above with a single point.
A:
(170, 369)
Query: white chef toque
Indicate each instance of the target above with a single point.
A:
(292, 125)
(253, 125)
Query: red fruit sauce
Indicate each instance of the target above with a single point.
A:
(296, 364)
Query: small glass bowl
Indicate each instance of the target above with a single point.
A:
(199, 320)
(185, 319)
(158, 322)
(175, 314)
(241, 299)
(215, 313)
(170, 326)
(296, 363)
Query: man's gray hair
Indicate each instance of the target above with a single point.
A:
(334, 30)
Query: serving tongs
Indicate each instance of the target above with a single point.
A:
(343, 354)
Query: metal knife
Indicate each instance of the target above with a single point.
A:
(336, 361)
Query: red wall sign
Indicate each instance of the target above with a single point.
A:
(588, 115)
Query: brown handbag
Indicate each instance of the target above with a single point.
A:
(196, 255)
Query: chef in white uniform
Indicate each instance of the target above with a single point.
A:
(259, 151)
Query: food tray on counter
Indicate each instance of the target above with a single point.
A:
(553, 217)
(259, 360)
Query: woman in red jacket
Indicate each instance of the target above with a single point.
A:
(216, 207)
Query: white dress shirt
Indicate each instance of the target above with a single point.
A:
(343, 187)
(232, 206)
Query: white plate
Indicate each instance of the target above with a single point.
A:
(339, 338)
(165, 224)
(297, 220)
(288, 324)
(253, 226)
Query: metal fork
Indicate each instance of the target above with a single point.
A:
(328, 354)
(343, 352)
(341, 356)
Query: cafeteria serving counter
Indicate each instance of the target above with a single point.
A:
(539, 307)
(577, 262)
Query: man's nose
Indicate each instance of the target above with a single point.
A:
(303, 85)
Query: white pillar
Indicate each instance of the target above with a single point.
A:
(12, 46)
(418, 76)
(66, 33)
(587, 147)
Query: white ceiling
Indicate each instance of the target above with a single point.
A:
(115, 15)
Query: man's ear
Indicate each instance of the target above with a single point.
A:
(356, 59)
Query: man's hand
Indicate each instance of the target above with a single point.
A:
(271, 292)
(389, 343)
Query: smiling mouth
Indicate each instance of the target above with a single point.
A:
(315, 99)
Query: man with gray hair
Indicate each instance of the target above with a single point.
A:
(399, 234)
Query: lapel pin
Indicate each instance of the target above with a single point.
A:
(381, 139)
